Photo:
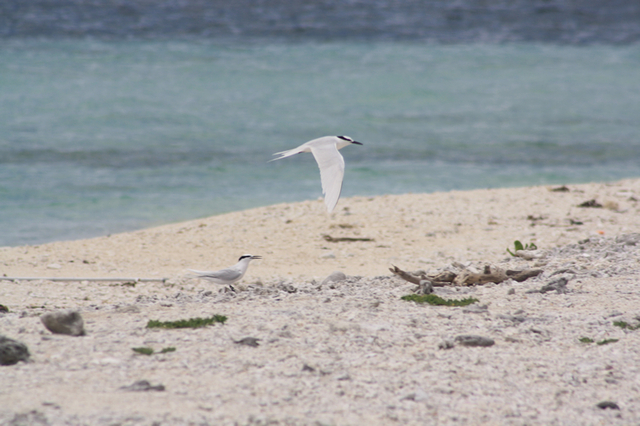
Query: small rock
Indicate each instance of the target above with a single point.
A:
(511, 291)
(473, 340)
(446, 344)
(530, 254)
(329, 255)
(30, 418)
(417, 396)
(425, 287)
(131, 309)
(12, 351)
(591, 203)
(288, 288)
(64, 322)
(248, 341)
(607, 404)
(335, 277)
(54, 266)
(513, 318)
(559, 285)
(143, 386)
(629, 239)
(308, 368)
(476, 309)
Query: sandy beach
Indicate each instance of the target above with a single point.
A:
(341, 353)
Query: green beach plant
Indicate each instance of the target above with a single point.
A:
(145, 350)
(518, 246)
(606, 341)
(188, 323)
(626, 326)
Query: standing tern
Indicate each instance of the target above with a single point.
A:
(228, 275)
(330, 162)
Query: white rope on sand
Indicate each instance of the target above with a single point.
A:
(83, 279)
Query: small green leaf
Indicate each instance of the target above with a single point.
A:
(143, 350)
(606, 341)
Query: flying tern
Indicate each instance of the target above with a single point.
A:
(330, 162)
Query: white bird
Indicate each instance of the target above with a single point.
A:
(228, 275)
(330, 162)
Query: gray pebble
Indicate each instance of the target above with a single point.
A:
(513, 318)
(287, 288)
(12, 351)
(30, 418)
(446, 344)
(629, 239)
(560, 285)
(425, 287)
(472, 340)
(335, 277)
(248, 341)
(143, 386)
(64, 322)
(476, 309)
(130, 309)
(607, 404)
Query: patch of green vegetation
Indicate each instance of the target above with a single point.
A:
(606, 341)
(150, 351)
(143, 350)
(586, 340)
(625, 325)
(188, 323)
(518, 246)
(432, 299)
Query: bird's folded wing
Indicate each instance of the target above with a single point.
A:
(331, 166)
(224, 274)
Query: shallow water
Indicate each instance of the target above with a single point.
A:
(98, 137)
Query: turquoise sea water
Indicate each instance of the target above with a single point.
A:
(98, 137)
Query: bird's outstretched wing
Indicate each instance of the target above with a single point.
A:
(331, 166)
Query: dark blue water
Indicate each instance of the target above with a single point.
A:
(101, 136)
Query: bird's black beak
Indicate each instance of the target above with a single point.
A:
(359, 143)
(256, 257)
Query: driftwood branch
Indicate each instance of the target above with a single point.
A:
(524, 275)
(440, 280)
(467, 278)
